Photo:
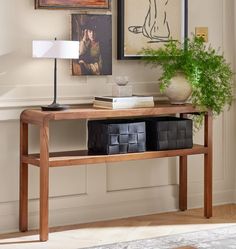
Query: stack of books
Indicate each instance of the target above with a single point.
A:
(135, 101)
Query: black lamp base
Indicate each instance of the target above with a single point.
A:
(54, 107)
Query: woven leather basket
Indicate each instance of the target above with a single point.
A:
(169, 133)
(116, 136)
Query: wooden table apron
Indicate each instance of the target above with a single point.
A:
(44, 160)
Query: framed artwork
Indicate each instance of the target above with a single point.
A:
(152, 24)
(94, 32)
(72, 4)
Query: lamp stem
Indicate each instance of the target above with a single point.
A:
(55, 81)
(55, 106)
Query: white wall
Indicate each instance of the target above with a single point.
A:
(234, 120)
(88, 193)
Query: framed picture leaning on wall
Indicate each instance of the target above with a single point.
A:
(149, 23)
(94, 32)
(72, 4)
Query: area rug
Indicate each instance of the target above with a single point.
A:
(219, 238)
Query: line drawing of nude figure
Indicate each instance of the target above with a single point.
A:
(156, 26)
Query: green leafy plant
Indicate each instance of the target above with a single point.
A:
(205, 69)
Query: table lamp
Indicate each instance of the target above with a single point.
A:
(55, 49)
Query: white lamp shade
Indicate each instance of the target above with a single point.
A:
(56, 49)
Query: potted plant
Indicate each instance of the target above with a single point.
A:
(208, 74)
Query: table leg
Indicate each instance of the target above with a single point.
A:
(44, 181)
(183, 163)
(23, 208)
(208, 166)
(183, 170)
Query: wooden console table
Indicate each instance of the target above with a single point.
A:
(44, 160)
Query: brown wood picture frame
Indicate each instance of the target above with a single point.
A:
(72, 4)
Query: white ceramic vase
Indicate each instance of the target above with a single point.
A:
(179, 89)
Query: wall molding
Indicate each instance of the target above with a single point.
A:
(12, 108)
(12, 103)
(98, 204)
(234, 5)
(230, 10)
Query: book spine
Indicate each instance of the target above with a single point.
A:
(124, 99)
(103, 99)
(133, 105)
(123, 105)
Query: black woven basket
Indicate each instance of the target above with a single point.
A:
(169, 133)
(116, 136)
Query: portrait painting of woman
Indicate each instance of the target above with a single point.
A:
(95, 51)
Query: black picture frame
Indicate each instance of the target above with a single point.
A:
(121, 28)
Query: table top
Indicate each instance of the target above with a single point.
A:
(87, 111)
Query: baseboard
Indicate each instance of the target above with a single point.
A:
(235, 197)
(72, 214)
(219, 198)
(85, 214)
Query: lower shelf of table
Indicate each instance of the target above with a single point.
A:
(69, 158)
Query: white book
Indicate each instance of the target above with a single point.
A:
(134, 98)
(122, 105)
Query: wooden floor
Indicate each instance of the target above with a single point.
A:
(134, 228)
